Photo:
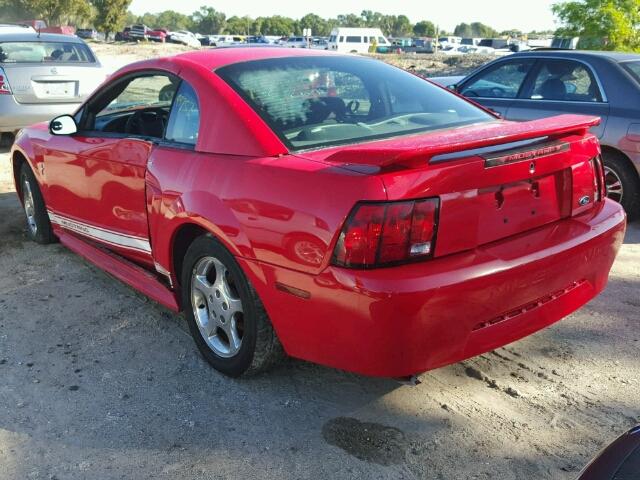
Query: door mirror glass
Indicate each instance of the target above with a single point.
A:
(63, 125)
(453, 87)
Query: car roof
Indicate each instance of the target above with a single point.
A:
(34, 37)
(218, 57)
(584, 54)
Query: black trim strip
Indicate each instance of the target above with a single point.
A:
(521, 155)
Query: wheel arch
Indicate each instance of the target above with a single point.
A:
(608, 149)
(182, 238)
(17, 160)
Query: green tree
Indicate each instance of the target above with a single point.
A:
(463, 30)
(278, 25)
(110, 15)
(148, 19)
(317, 24)
(401, 26)
(425, 28)
(209, 21)
(56, 12)
(172, 20)
(238, 25)
(601, 24)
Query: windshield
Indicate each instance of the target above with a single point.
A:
(312, 102)
(44, 52)
(634, 69)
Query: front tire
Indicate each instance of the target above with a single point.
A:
(226, 318)
(623, 184)
(38, 224)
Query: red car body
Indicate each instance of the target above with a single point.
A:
(499, 272)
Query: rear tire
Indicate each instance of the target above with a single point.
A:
(38, 224)
(226, 318)
(623, 183)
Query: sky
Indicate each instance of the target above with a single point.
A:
(525, 15)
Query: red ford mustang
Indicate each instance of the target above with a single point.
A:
(332, 206)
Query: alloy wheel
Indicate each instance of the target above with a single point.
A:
(29, 206)
(217, 307)
(613, 183)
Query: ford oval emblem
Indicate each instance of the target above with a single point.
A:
(584, 200)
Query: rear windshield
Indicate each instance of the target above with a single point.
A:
(634, 69)
(312, 102)
(45, 52)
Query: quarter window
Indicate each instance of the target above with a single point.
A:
(503, 80)
(562, 80)
(184, 121)
(354, 39)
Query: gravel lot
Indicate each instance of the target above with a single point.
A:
(99, 382)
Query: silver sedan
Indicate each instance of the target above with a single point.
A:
(42, 76)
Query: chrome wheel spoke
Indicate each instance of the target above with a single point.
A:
(216, 306)
(613, 183)
(29, 206)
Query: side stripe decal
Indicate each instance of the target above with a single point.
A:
(139, 244)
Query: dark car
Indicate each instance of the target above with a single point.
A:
(618, 461)
(87, 33)
(536, 84)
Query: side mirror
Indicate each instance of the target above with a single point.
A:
(453, 87)
(63, 125)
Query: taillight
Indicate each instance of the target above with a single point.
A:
(389, 233)
(600, 186)
(4, 84)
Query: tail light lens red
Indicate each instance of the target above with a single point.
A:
(389, 233)
(4, 84)
(600, 187)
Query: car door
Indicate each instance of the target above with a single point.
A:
(496, 86)
(558, 86)
(118, 130)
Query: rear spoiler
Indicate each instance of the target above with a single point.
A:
(421, 149)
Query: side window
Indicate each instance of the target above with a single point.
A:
(184, 121)
(354, 39)
(503, 80)
(565, 80)
(138, 107)
(341, 39)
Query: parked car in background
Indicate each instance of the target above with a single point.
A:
(15, 28)
(296, 42)
(258, 39)
(537, 84)
(42, 76)
(470, 42)
(87, 33)
(123, 36)
(184, 37)
(432, 200)
(618, 461)
(158, 35)
(139, 32)
(447, 43)
(356, 40)
(227, 40)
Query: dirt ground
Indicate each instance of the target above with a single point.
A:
(99, 382)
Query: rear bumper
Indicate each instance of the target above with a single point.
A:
(19, 115)
(404, 320)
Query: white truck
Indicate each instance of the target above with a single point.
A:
(356, 40)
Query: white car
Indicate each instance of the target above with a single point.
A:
(296, 42)
(11, 28)
(356, 40)
(185, 38)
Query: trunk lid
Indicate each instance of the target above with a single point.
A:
(494, 180)
(59, 83)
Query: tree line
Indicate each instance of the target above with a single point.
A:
(112, 15)
(601, 24)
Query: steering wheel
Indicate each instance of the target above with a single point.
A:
(137, 123)
(353, 106)
(498, 92)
